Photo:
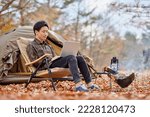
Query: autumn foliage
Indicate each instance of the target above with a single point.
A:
(100, 39)
(139, 89)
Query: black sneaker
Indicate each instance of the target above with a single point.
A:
(126, 81)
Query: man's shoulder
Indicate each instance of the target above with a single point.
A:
(32, 42)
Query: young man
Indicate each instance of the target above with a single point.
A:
(39, 47)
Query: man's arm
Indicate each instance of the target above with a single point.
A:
(32, 54)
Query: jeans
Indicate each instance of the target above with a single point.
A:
(73, 63)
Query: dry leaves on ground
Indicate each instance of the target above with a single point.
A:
(139, 89)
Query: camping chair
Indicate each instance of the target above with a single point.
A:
(35, 73)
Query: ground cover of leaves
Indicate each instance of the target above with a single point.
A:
(138, 90)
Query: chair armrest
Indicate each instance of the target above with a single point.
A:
(35, 61)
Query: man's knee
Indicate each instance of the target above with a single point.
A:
(71, 58)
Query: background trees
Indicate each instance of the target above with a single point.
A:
(117, 31)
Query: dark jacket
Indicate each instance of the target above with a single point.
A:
(36, 49)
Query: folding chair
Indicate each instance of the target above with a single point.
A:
(35, 72)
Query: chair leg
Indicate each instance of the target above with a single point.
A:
(34, 73)
(110, 84)
(53, 85)
(28, 81)
(49, 72)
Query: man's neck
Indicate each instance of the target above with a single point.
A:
(41, 41)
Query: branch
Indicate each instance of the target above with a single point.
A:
(6, 6)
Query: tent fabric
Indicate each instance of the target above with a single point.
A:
(9, 50)
(9, 59)
(12, 60)
(24, 31)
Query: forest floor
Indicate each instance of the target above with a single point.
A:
(138, 90)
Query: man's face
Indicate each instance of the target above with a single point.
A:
(42, 33)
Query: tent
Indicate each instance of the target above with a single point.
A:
(25, 31)
(8, 41)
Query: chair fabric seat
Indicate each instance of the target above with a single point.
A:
(55, 73)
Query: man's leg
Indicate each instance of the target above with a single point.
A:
(84, 69)
(68, 62)
(86, 73)
(74, 63)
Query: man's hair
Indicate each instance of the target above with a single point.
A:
(38, 25)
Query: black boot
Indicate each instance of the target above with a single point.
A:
(125, 81)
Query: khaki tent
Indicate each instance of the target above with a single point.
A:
(9, 52)
(25, 31)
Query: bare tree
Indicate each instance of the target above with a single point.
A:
(139, 12)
